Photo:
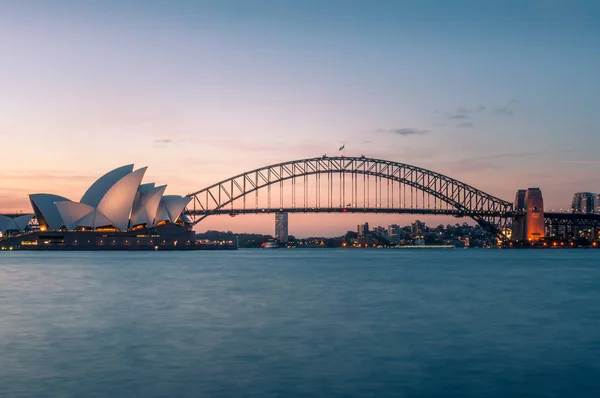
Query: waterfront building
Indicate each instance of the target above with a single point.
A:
(416, 228)
(116, 212)
(381, 231)
(117, 201)
(15, 224)
(281, 227)
(583, 202)
(597, 204)
(363, 229)
(393, 230)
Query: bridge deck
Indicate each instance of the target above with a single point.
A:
(449, 212)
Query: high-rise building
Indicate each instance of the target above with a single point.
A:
(381, 231)
(583, 202)
(597, 204)
(417, 227)
(363, 229)
(393, 230)
(281, 227)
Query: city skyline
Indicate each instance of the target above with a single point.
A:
(501, 97)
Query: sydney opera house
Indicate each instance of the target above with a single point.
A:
(116, 211)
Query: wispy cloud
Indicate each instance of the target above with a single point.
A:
(46, 175)
(505, 110)
(464, 113)
(487, 163)
(465, 125)
(511, 155)
(163, 143)
(581, 161)
(405, 131)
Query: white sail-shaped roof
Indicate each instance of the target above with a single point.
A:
(94, 219)
(6, 224)
(45, 209)
(98, 189)
(117, 202)
(171, 207)
(146, 206)
(116, 199)
(22, 221)
(18, 223)
(73, 212)
(185, 219)
(161, 213)
(146, 187)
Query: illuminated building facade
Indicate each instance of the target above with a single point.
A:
(531, 225)
(416, 228)
(534, 220)
(117, 201)
(15, 224)
(281, 227)
(583, 203)
(116, 212)
(597, 204)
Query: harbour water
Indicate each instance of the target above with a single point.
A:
(301, 323)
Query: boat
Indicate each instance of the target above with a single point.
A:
(271, 245)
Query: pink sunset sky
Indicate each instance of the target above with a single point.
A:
(201, 91)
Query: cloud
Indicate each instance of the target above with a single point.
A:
(511, 155)
(465, 125)
(46, 175)
(163, 143)
(464, 113)
(517, 155)
(580, 161)
(404, 131)
(505, 110)
(14, 203)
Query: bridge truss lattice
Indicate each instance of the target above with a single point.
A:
(349, 184)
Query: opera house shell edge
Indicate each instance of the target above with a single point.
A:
(118, 200)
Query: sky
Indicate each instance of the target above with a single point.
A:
(501, 95)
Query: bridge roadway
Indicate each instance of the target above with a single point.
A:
(447, 212)
(551, 216)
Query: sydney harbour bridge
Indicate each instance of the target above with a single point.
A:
(343, 184)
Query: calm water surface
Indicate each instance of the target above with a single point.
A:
(300, 323)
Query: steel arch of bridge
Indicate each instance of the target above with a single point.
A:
(489, 211)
